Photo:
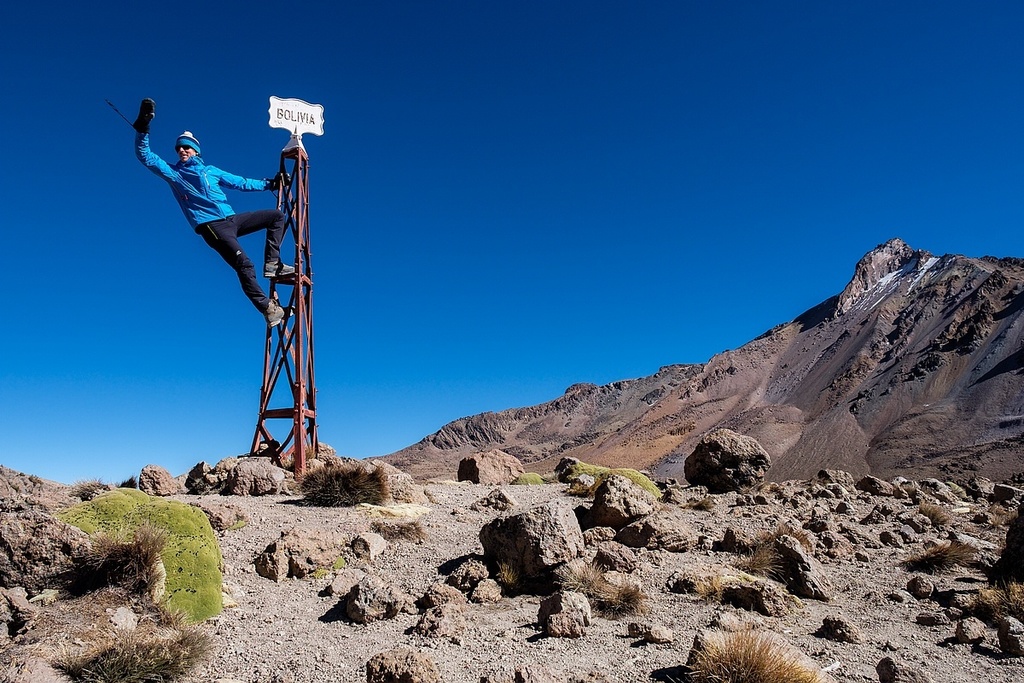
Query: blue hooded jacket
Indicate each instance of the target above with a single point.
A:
(196, 185)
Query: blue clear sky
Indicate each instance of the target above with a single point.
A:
(510, 197)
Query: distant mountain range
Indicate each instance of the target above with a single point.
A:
(915, 368)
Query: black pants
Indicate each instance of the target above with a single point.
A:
(223, 236)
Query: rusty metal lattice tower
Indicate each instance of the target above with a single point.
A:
(289, 386)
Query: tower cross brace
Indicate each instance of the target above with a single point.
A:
(288, 392)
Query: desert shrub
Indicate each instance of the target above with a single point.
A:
(87, 489)
(957, 490)
(626, 600)
(763, 560)
(509, 577)
(133, 563)
(706, 503)
(529, 479)
(747, 657)
(941, 557)
(129, 483)
(999, 601)
(139, 656)
(400, 531)
(345, 485)
(938, 515)
(581, 577)
(709, 587)
(1001, 516)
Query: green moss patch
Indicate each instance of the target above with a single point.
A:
(600, 473)
(191, 557)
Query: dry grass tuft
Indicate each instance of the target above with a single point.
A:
(626, 600)
(999, 601)
(748, 657)
(345, 485)
(763, 560)
(1001, 516)
(509, 577)
(706, 504)
(139, 656)
(87, 489)
(937, 514)
(581, 577)
(412, 531)
(130, 563)
(710, 587)
(941, 557)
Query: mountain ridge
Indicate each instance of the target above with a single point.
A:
(914, 368)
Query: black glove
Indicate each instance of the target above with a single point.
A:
(277, 181)
(147, 110)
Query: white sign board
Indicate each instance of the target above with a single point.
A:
(297, 116)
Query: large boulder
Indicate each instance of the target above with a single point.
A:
(534, 542)
(799, 571)
(191, 556)
(374, 600)
(1010, 565)
(492, 468)
(36, 550)
(203, 479)
(618, 501)
(157, 481)
(725, 461)
(255, 476)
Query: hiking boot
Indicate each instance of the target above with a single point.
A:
(274, 313)
(272, 269)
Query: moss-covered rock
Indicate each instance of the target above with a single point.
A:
(529, 479)
(191, 557)
(600, 473)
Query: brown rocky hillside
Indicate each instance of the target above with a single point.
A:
(913, 369)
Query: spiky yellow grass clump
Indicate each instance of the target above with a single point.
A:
(941, 557)
(747, 657)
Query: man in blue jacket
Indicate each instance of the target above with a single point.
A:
(199, 190)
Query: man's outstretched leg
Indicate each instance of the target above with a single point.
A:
(221, 236)
(274, 222)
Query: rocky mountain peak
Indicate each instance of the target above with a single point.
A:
(888, 259)
(913, 369)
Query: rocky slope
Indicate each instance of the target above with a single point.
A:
(873, 619)
(914, 369)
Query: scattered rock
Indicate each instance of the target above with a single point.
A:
(614, 556)
(920, 587)
(498, 499)
(368, 546)
(666, 529)
(565, 615)
(255, 476)
(447, 621)
(494, 467)
(373, 600)
(875, 486)
(800, 572)
(618, 501)
(299, 552)
(1011, 636)
(402, 665)
(467, 575)
(889, 671)
(223, 516)
(486, 591)
(841, 630)
(156, 481)
(970, 630)
(1010, 565)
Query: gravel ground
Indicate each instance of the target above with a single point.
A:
(285, 632)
